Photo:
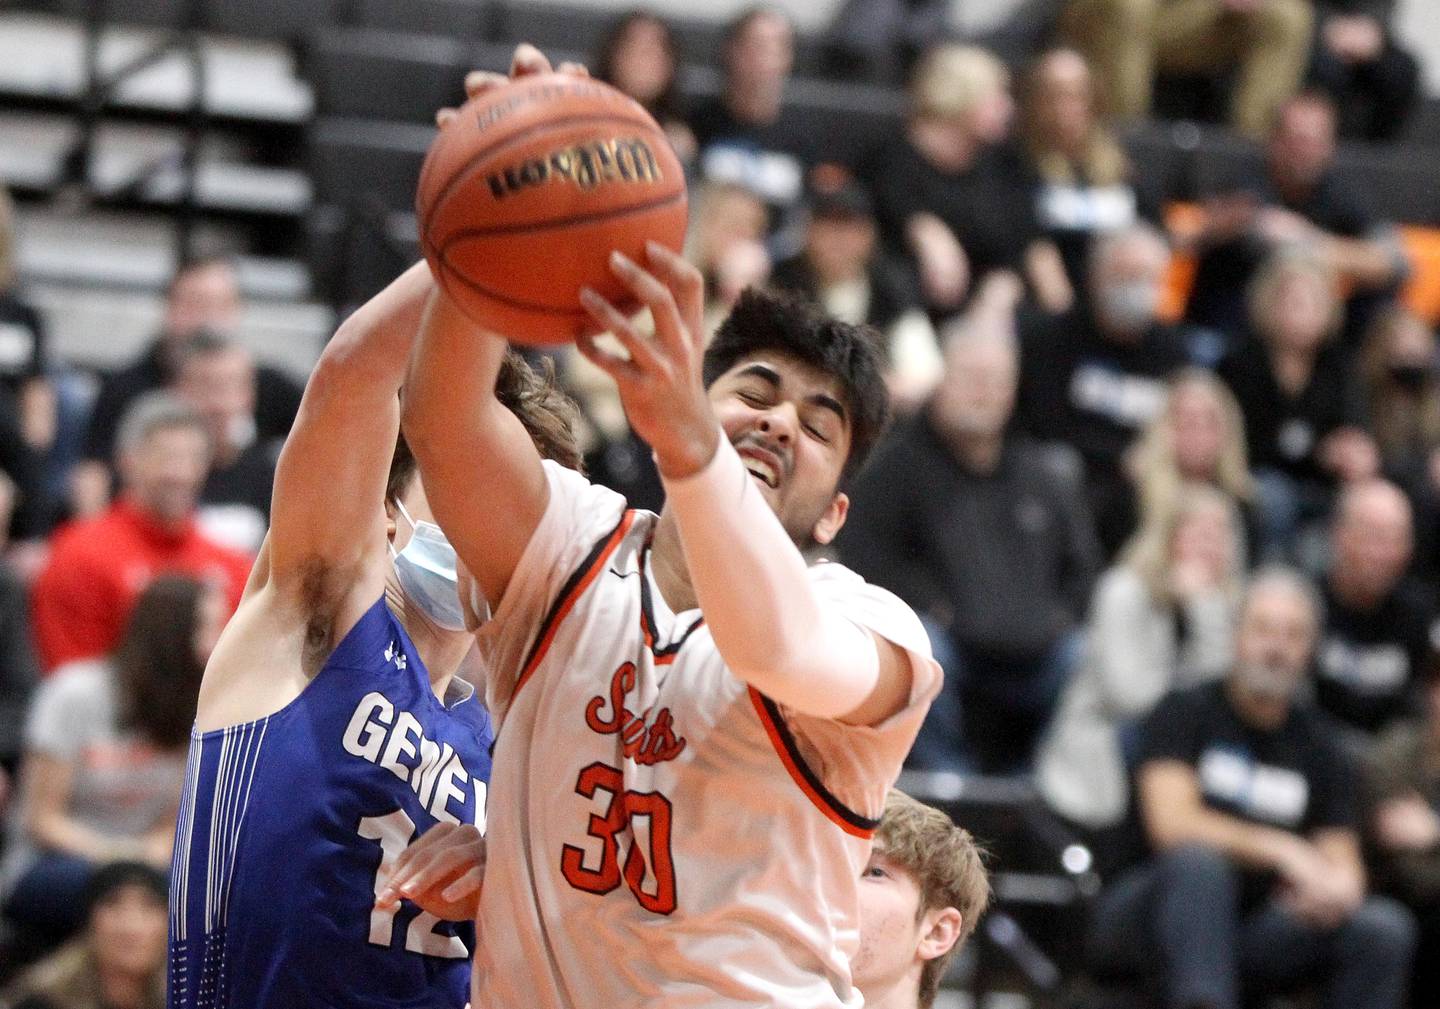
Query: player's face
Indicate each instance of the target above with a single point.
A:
(890, 929)
(127, 930)
(790, 425)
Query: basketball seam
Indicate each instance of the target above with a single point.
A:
(528, 306)
(561, 222)
(462, 173)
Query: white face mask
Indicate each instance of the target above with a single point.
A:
(426, 570)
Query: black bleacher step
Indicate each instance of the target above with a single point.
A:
(456, 19)
(385, 75)
(358, 162)
(280, 20)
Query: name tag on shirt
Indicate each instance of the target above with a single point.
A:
(1367, 669)
(1275, 795)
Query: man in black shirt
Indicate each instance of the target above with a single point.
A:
(1096, 377)
(204, 295)
(1301, 198)
(1374, 82)
(746, 135)
(1378, 621)
(1256, 884)
(217, 377)
(987, 536)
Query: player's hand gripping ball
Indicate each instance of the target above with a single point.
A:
(528, 189)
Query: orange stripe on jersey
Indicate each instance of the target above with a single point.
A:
(843, 817)
(570, 593)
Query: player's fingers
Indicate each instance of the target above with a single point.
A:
(642, 351)
(444, 116)
(438, 871)
(655, 296)
(573, 69)
(467, 884)
(620, 370)
(477, 82)
(528, 61)
(685, 282)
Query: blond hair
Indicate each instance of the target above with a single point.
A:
(1399, 425)
(1157, 474)
(947, 866)
(950, 80)
(1148, 551)
(1283, 265)
(1102, 160)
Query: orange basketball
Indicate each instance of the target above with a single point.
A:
(525, 193)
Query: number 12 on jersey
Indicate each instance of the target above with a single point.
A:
(394, 831)
(623, 811)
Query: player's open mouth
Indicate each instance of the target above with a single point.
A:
(762, 466)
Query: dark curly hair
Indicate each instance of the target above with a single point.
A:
(790, 325)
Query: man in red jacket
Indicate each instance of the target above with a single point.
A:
(98, 567)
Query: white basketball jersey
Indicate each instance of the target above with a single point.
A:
(669, 837)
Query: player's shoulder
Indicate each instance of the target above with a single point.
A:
(870, 605)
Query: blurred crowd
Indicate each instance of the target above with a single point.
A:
(1176, 547)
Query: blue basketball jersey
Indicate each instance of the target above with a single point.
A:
(289, 825)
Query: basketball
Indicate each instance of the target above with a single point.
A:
(524, 194)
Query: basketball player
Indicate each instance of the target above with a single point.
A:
(921, 896)
(331, 727)
(697, 730)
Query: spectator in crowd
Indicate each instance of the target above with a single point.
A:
(27, 399)
(641, 57)
(98, 567)
(1403, 789)
(119, 962)
(217, 378)
(1199, 439)
(1256, 882)
(1299, 199)
(841, 268)
(1086, 185)
(204, 295)
(1303, 412)
(19, 668)
(104, 761)
(1098, 376)
(1374, 83)
(1161, 619)
(1378, 621)
(921, 896)
(747, 135)
(727, 245)
(1400, 369)
(985, 534)
(950, 200)
(1265, 44)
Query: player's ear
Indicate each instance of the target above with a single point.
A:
(940, 931)
(391, 526)
(830, 523)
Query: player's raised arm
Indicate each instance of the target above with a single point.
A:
(482, 471)
(749, 577)
(343, 438)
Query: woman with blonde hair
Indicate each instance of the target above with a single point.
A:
(1400, 367)
(1199, 438)
(1085, 184)
(948, 198)
(1160, 619)
(1304, 416)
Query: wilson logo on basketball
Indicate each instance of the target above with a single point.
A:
(583, 165)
